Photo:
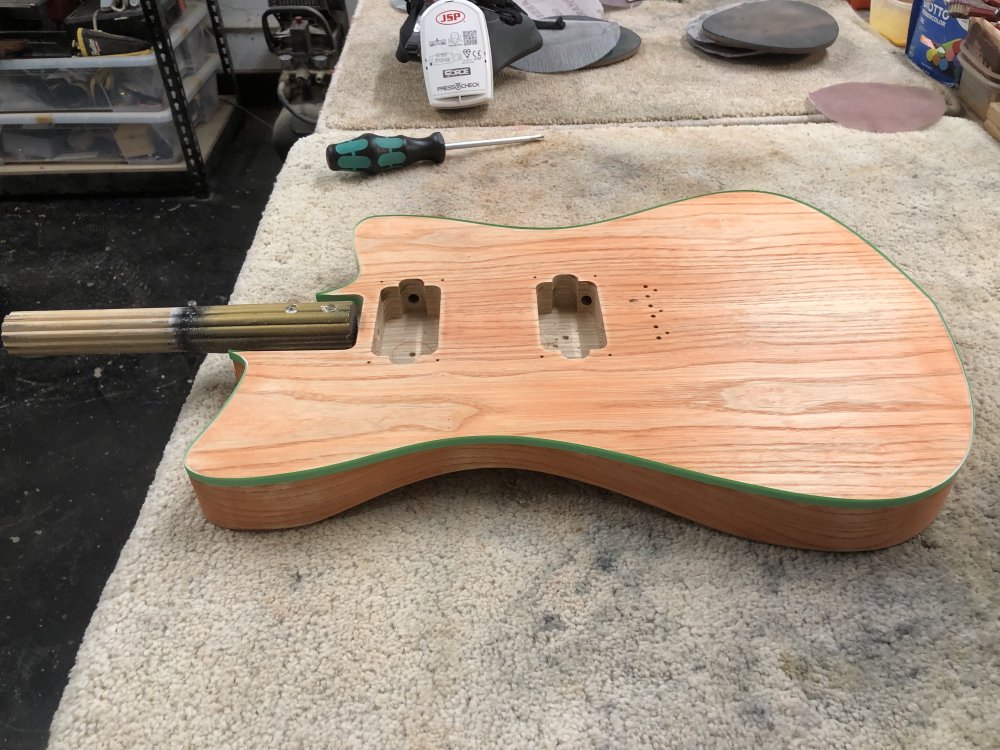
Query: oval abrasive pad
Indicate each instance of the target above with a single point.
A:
(782, 26)
(720, 50)
(698, 39)
(578, 44)
(628, 45)
(880, 107)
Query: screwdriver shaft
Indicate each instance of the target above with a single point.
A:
(492, 142)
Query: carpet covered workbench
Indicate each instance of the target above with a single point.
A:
(667, 81)
(504, 608)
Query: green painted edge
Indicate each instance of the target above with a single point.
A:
(806, 499)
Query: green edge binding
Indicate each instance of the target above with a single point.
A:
(836, 502)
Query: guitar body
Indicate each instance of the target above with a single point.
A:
(739, 359)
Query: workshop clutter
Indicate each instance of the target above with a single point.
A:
(462, 44)
(111, 108)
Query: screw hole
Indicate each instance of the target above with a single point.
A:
(659, 337)
(653, 315)
(413, 299)
(585, 299)
(413, 354)
(645, 286)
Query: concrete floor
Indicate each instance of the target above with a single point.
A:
(81, 437)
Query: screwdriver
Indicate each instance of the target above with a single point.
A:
(372, 153)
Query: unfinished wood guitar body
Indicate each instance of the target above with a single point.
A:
(740, 359)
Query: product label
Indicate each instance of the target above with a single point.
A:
(455, 54)
(935, 39)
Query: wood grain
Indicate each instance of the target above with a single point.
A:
(738, 512)
(750, 339)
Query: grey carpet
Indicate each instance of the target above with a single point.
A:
(666, 81)
(506, 609)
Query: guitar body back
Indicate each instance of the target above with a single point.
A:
(739, 359)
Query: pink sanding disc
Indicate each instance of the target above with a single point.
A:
(880, 107)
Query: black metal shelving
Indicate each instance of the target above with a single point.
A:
(192, 175)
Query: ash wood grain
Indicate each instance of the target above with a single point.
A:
(750, 339)
(742, 513)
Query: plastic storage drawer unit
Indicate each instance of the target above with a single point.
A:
(100, 137)
(120, 83)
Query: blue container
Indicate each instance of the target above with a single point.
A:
(934, 39)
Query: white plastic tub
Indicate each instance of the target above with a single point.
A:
(891, 18)
(976, 89)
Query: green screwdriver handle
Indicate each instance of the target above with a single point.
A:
(376, 153)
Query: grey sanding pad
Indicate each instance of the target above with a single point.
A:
(698, 39)
(720, 50)
(628, 45)
(580, 43)
(780, 26)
